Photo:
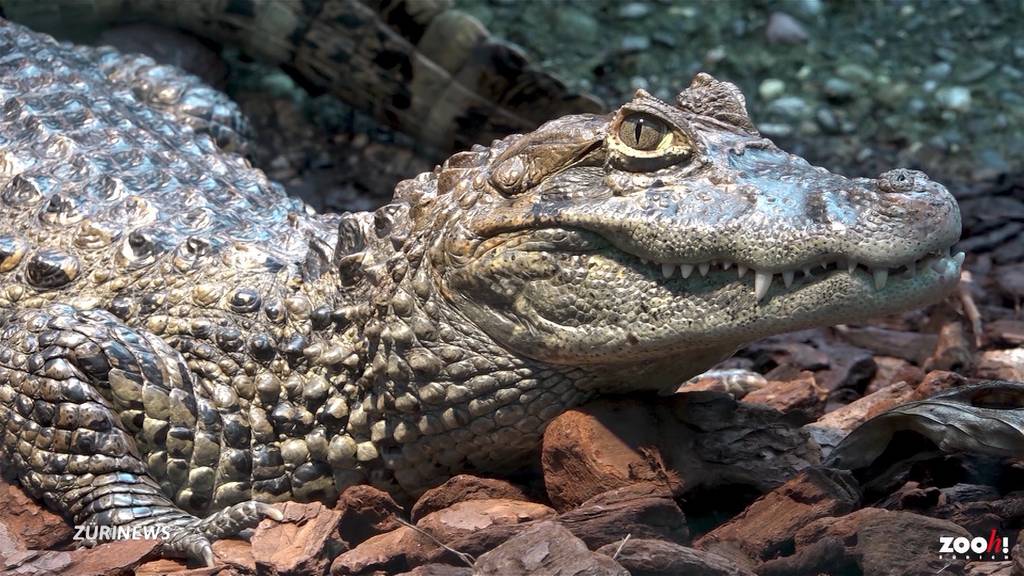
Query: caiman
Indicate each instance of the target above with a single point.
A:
(181, 343)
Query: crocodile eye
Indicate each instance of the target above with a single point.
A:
(642, 131)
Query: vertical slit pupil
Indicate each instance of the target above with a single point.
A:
(638, 129)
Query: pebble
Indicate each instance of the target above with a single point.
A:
(793, 107)
(855, 73)
(784, 29)
(979, 70)
(634, 10)
(955, 98)
(938, 71)
(635, 43)
(827, 120)
(775, 129)
(771, 88)
(839, 89)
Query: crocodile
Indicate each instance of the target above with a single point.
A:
(182, 343)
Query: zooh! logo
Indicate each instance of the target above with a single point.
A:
(994, 547)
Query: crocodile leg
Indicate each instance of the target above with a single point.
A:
(82, 398)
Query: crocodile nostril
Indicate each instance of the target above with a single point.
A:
(901, 180)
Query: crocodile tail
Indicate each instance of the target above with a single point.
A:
(419, 66)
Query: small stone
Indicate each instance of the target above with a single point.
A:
(635, 43)
(462, 488)
(790, 107)
(303, 543)
(955, 98)
(784, 29)
(771, 88)
(634, 10)
(366, 512)
(545, 548)
(839, 89)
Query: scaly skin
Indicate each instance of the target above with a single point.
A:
(180, 338)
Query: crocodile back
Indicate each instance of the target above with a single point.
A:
(97, 188)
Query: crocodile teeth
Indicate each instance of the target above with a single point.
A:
(851, 265)
(703, 267)
(667, 270)
(959, 258)
(686, 270)
(881, 277)
(762, 282)
(741, 270)
(726, 265)
(807, 272)
(787, 278)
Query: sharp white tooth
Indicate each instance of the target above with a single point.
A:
(824, 265)
(667, 270)
(686, 270)
(851, 265)
(807, 272)
(959, 259)
(762, 282)
(741, 270)
(726, 265)
(881, 277)
(787, 278)
(703, 267)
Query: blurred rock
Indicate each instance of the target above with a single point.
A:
(119, 558)
(1010, 279)
(161, 567)
(954, 350)
(885, 543)
(1005, 332)
(464, 521)
(439, 570)
(638, 510)
(911, 346)
(784, 29)
(939, 381)
(303, 543)
(462, 488)
(634, 10)
(771, 88)
(643, 557)
(892, 370)
(545, 548)
(801, 398)
(955, 98)
(27, 523)
(856, 413)
(391, 552)
(365, 512)
(1001, 364)
(767, 526)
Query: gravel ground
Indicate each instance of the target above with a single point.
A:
(855, 86)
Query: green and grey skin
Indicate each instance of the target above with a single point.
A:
(182, 343)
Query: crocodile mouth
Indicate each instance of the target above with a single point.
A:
(721, 271)
(718, 273)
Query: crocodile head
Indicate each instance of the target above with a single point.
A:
(649, 243)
